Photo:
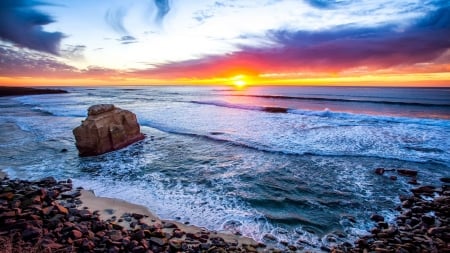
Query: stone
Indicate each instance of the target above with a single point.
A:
(138, 249)
(169, 225)
(269, 237)
(70, 194)
(409, 173)
(115, 235)
(137, 216)
(54, 246)
(178, 233)
(47, 210)
(61, 209)
(85, 214)
(413, 181)
(426, 189)
(106, 128)
(31, 233)
(76, 234)
(445, 180)
(47, 181)
(175, 244)
(377, 217)
(379, 171)
(158, 241)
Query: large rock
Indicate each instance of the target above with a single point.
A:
(106, 128)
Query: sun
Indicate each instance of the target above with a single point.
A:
(239, 83)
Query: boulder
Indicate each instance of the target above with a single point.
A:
(106, 128)
(409, 173)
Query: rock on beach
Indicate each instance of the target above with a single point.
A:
(106, 128)
(47, 216)
(423, 225)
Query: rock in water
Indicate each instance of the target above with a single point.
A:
(105, 129)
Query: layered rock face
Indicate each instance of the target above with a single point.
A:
(106, 128)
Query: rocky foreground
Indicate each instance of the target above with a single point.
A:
(47, 216)
(423, 224)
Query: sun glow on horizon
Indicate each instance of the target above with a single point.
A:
(239, 81)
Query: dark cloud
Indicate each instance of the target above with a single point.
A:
(22, 24)
(330, 50)
(114, 17)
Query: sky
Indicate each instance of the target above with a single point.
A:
(234, 42)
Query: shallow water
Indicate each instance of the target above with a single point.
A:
(213, 157)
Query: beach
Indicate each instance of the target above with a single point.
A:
(71, 216)
(294, 170)
(225, 126)
(51, 216)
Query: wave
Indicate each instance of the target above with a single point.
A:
(348, 100)
(331, 114)
(270, 109)
(223, 137)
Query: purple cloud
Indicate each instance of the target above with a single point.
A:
(330, 50)
(379, 46)
(23, 25)
(15, 62)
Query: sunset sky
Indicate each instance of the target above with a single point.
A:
(298, 42)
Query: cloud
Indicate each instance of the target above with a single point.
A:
(202, 15)
(23, 25)
(115, 17)
(163, 7)
(327, 4)
(127, 39)
(331, 50)
(74, 52)
(16, 62)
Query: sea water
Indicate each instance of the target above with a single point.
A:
(293, 162)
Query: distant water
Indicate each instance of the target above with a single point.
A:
(294, 162)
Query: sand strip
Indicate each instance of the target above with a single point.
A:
(113, 209)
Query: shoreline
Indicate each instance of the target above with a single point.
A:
(112, 208)
(51, 216)
(117, 215)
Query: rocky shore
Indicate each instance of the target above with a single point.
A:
(423, 224)
(51, 216)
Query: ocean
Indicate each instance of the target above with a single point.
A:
(295, 163)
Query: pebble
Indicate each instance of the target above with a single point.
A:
(50, 221)
(423, 224)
